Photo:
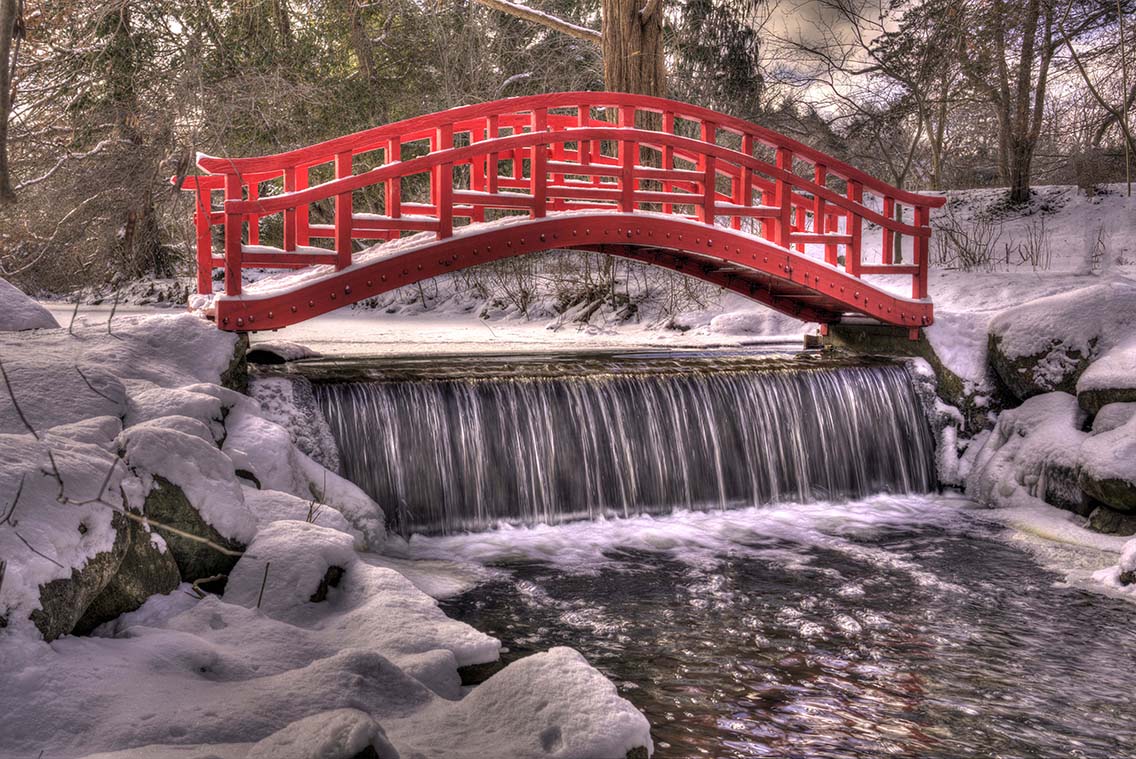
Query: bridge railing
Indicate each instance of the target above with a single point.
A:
(553, 153)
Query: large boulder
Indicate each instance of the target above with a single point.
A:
(175, 517)
(1108, 464)
(146, 569)
(19, 312)
(64, 601)
(1109, 379)
(1056, 367)
(1046, 344)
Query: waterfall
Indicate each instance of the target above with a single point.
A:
(454, 454)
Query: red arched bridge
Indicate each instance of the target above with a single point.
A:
(649, 179)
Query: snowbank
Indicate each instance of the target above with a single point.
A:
(19, 312)
(314, 650)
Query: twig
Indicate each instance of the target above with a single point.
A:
(71, 324)
(12, 509)
(37, 553)
(92, 388)
(263, 582)
(147, 521)
(15, 404)
(113, 308)
(197, 584)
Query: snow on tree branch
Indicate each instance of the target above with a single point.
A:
(544, 19)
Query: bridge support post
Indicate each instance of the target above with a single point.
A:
(444, 183)
(922, 252)
(233, 245)
(343, 214)
(855, 230)
(538, 182)
(202, 214)
(706, 212)
(784, 199)
(886, 255)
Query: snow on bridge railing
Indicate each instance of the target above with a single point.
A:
(645, 154)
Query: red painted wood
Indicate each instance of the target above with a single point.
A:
(783, 199)
(855, 230)
(789, 282)
(202, 219)
(343, 213)
(290, 213)
(233, 243)
(538, 165)
(922, 250)
(420, 127)
(886, 251)
(557, 164)
(444, 182)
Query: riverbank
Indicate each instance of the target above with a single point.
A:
(137, 478)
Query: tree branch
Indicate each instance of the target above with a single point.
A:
(544, 19)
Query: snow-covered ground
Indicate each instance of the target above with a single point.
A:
(318, 649)
(124, 403)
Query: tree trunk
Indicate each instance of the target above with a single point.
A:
(633, 47)
(8, 20)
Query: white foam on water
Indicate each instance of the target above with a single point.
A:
(785, 534)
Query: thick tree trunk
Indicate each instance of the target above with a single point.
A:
(633, 47)
(8, 20)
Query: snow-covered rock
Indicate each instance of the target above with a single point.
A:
(1108, 466)
(290, 402)
(1032, 455)
(265, 449)
(338, 734)
(268, 506)
(71, 544)
(19, 312)
(1110, 378)
(199, 469)
(278, 352)
(1046, 344)
(546, 705)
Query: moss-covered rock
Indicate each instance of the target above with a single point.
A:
(64, 601)
(1061, 488)
(145, 570)
(1092, 401)
(236, 376)
(1115, 493)
(1056, 368)
(1112, 522)
(880, 339)
(166, 504)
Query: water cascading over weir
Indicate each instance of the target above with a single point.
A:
(467, 453)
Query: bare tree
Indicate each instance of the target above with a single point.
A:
(11, 32)
(632, 41)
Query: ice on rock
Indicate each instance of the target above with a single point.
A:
(299, 556)
(54, 537)
(1016, 461)
(1088, 319)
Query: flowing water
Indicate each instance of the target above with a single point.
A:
(892, 626)
(627, 437)
(763, 572)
